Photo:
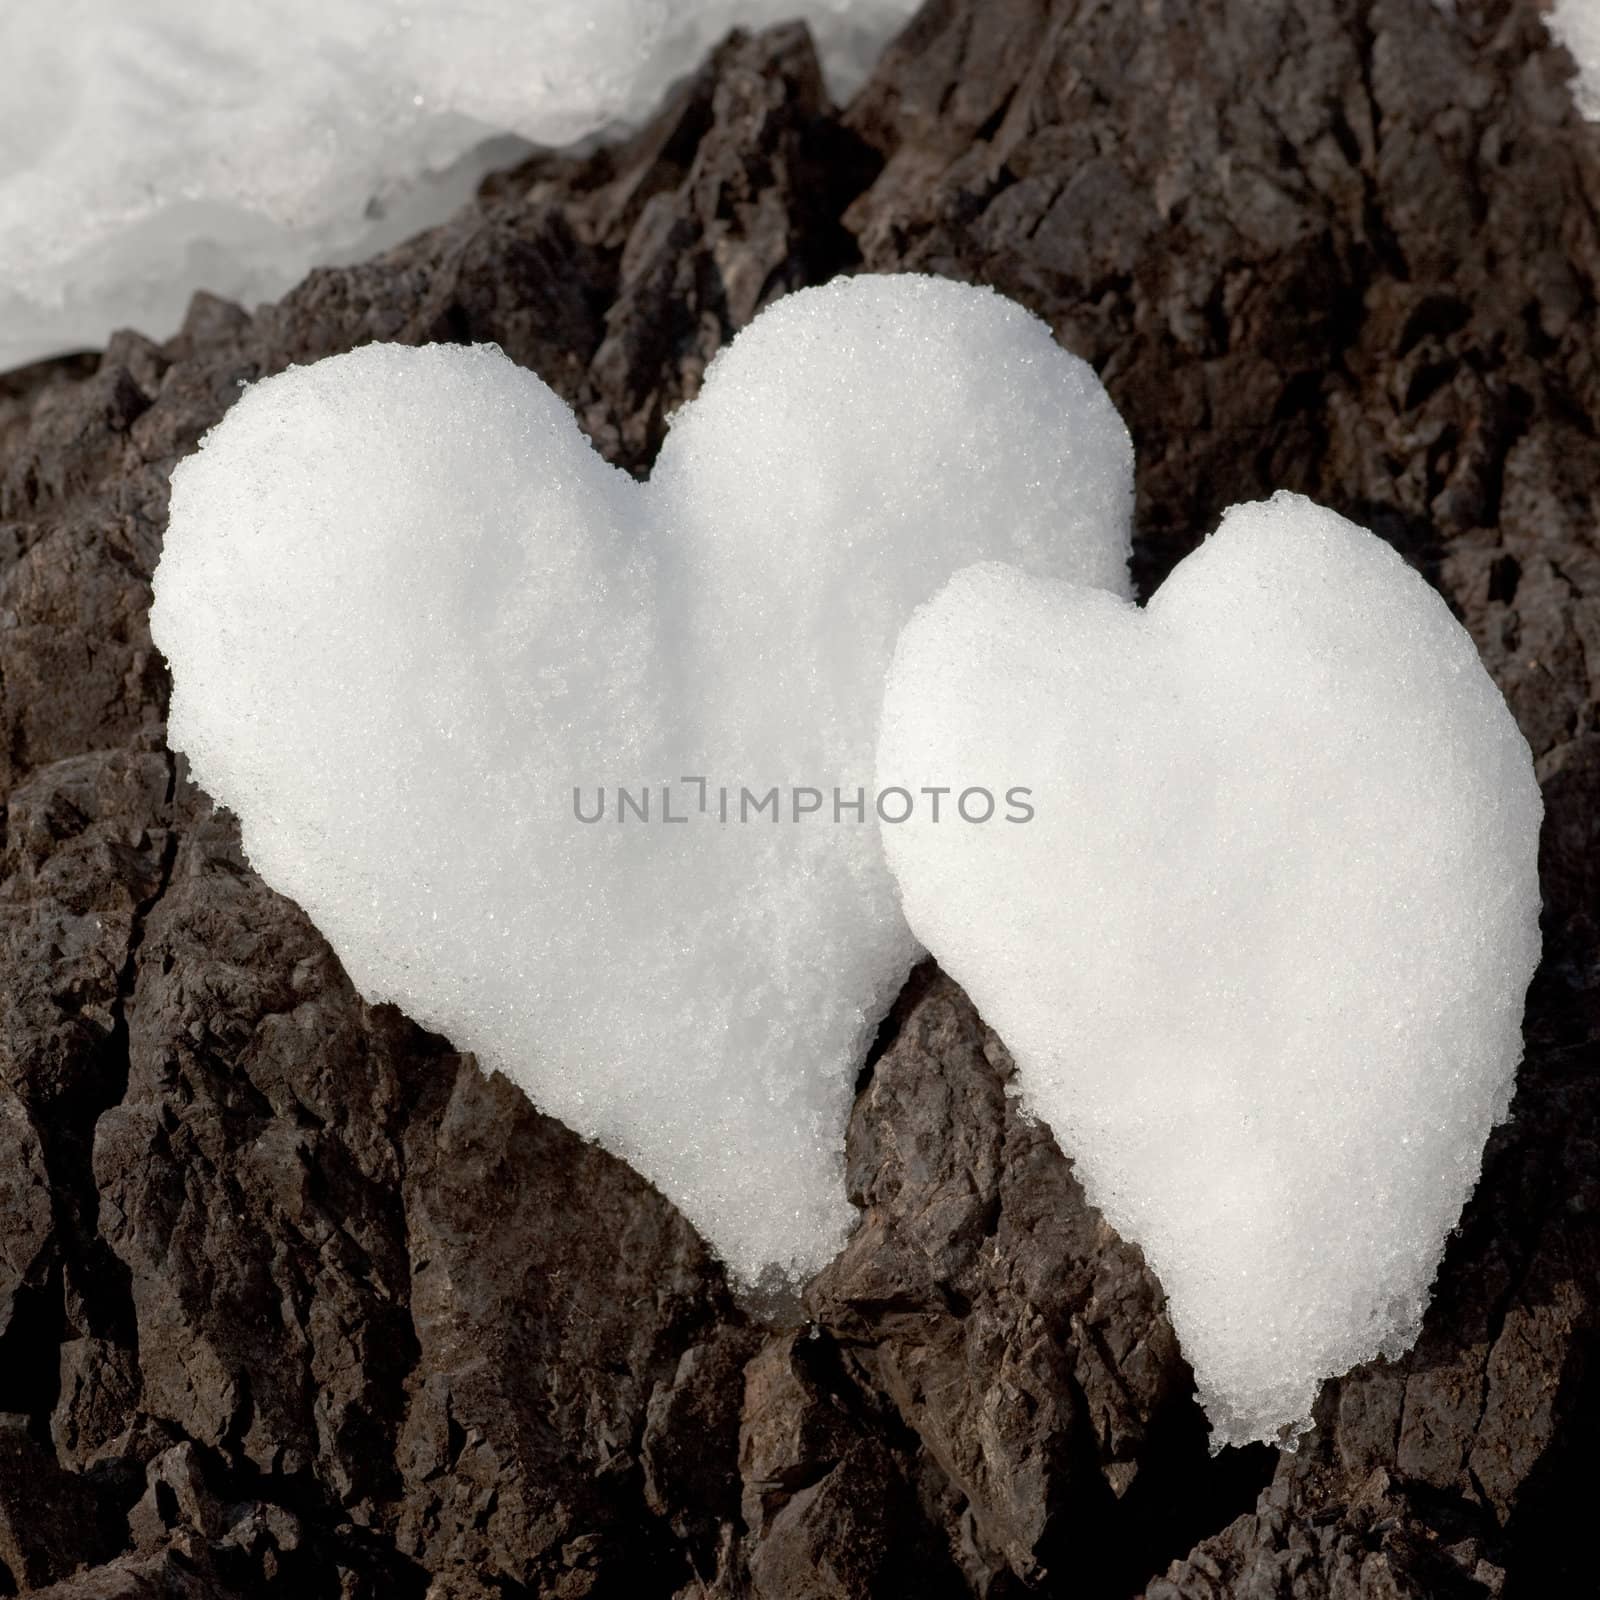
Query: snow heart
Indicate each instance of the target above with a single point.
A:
(1261, 956)
(409, 612)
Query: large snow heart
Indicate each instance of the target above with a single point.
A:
(418, 628)
(1261, 952)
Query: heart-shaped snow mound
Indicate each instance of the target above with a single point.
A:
(409, 612)
(1261, 952)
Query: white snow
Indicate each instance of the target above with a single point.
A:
(1261, 954)
(408, 609)
(150, 149)
(1576, 24)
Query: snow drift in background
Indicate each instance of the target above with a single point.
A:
(1576, 24)
(148, 150)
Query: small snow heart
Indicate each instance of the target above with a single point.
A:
(1261, 953)
(421, 636)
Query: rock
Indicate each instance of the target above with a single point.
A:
(293, 1299)
(50, 1521)
(832, 1513)
(534, 1445)
(698, 1488)
(1023, 1346)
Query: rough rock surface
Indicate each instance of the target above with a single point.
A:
(294, 1300)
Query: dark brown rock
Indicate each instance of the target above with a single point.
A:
(294, 1300)
(831, 1508)
(50, 1521)
(1023, 1346)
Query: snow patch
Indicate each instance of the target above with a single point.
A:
(409, 611)
(147, 151)
(1261, 953)
(1576, 24)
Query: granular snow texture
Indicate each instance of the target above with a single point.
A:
(403, 577)
(1261, 952)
